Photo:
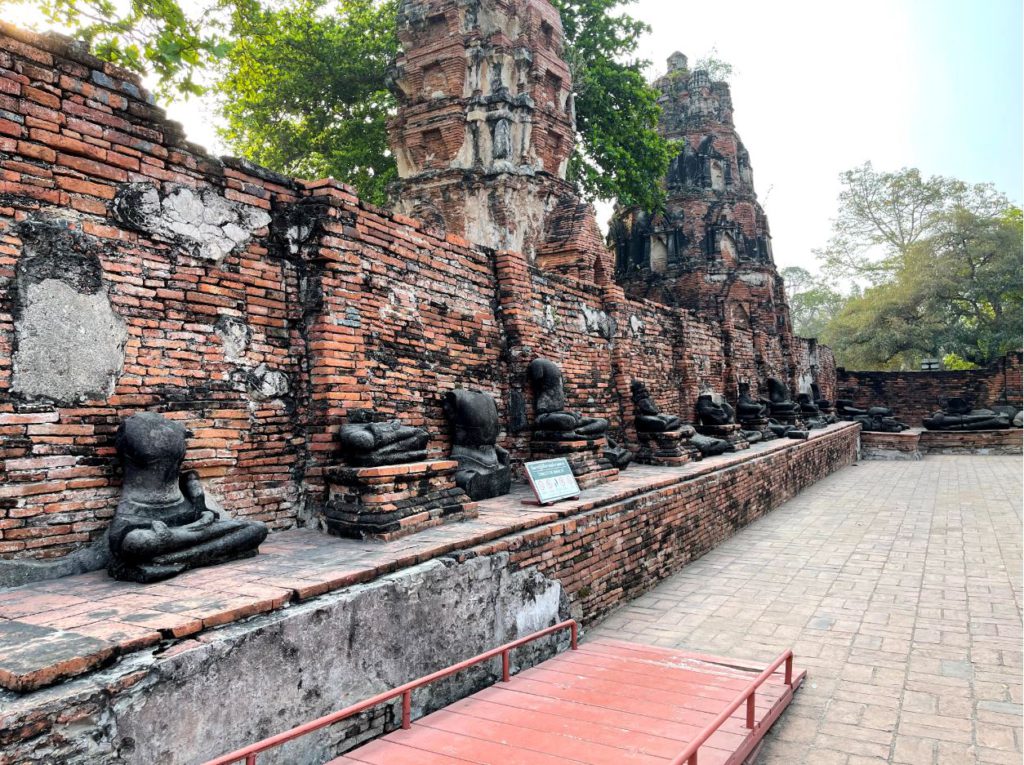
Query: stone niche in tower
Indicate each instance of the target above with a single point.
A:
(485, 123)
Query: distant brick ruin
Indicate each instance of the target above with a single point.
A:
(260, 310)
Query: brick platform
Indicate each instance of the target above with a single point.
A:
(395, 500)
(670, 448)
(611, 544)
(891, 446)
(973, 441)
(585, 457)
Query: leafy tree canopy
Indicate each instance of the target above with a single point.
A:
(954, 293)
(812, 302)
(302, 82)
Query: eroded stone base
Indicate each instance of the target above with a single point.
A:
(393, 501)
(669, 448)
(1009, 441)
(586, 458)
(890, 446)
(205, 697)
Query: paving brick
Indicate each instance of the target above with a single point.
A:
(896, 604)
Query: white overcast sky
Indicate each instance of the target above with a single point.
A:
(821, 86)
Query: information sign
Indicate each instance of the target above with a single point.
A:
(552, 480)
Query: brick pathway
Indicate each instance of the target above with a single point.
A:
(898, 584)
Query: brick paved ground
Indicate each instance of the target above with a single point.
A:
(898, 584)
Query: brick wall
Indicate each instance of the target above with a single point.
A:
(323, 304)
(612, 554)
(915, 395)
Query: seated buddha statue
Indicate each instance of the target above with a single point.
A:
(484, 470)
(162, 525)
(711, 412)
(779, 402)
(649, 418)
(366, 443)
(819, 399)
(552, 421)
(747, 409)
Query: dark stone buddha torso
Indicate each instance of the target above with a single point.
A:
(162, 525)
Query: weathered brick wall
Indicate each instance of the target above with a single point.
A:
(73, 130)
(915, 395)
(263, 343)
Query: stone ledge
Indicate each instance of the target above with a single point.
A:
(295, 566)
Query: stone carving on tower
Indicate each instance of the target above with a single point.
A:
(485, 123)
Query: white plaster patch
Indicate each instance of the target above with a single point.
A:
(207, 224)
(70, 345)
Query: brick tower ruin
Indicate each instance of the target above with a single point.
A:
(710, 251)
(485, 123)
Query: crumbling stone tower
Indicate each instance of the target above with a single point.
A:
(485, 123)
(711, 250)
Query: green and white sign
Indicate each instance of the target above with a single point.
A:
(552, 480)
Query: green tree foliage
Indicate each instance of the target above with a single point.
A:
(302, 82)
(619, 152)
(148, 35)
(952, 289)
(813, 303)
(881, 215)
(304, 93)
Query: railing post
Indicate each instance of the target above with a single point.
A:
(251, 759)
(692, 760)
(407, 710)
(574, 632)
(750, 710)
(789, 670)
(504, 667)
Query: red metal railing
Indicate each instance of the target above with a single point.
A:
(689, 755)
(249, 753)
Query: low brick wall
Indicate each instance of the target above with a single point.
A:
(226, 687)
(916, 395)
(891, 446)
(612, 554)
(973, 442)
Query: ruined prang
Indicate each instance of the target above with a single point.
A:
(485, 122)
(710, 250)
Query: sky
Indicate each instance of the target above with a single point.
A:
(821, 86)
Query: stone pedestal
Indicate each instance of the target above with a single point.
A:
(668, 448)
(395, 500)
(787, 418)
(731, 433)
(761, 425)
(586, 458)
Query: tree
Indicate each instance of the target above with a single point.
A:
(149, 35)
(956, 294)
(881, 215)
(812, 303)
(718, 69)
(303, 88)
(619, 152)
(303, 91)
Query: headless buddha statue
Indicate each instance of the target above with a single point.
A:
(958, 415)
(779, 401)
(747, 408)
(552, 421)
(649, 418)
(162, 526)
(366, 443)
(484, 470)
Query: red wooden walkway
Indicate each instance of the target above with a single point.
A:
(609, 703)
